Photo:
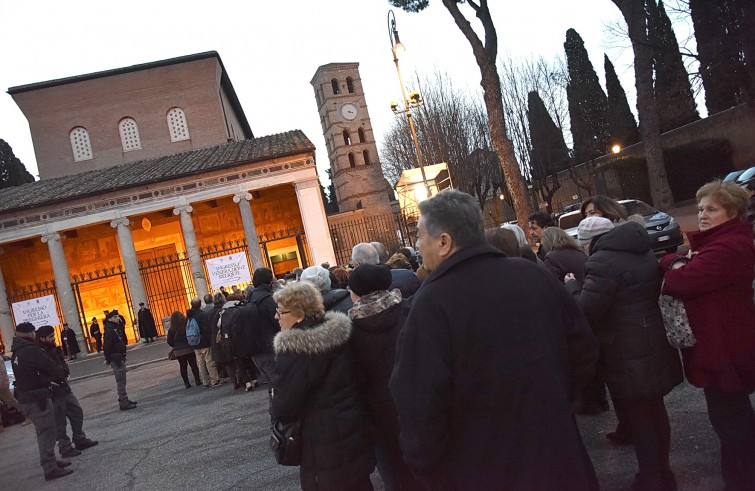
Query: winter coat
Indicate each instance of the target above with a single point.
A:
(56, 355)
(566, 260)
(620, 299)
(177, 340)
(484, 375)
(69, 338)
(267, 326)
(205, 326)
(32, 368)
(114, 340)
(406, 281)
(94, 330)
(217, 348)
(146, 321)
(716, 287)
(317, 383)
(236, 329)
(337, 300)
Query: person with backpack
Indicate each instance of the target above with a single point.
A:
(182, 350)
(198, 333)
(266, 327)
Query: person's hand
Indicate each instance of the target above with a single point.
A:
(691, 253)
(569, 277)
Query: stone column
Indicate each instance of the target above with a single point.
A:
(63, 282)
(7, 328)
(315, 221)
(130, 261)
(250, 229)
(192, 248)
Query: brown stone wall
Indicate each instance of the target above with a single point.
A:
(146, 95)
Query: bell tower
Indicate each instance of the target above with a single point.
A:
(352, 152)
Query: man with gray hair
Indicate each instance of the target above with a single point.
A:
(492, 352)
(364, 253)
(208, 303)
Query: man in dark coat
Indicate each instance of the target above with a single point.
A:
(35, 372)
(64, 402)
(115, 356)
(485, 375)
(267, 327)
(96, 333)
(147, 328)
(68, 337)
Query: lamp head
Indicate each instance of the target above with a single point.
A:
(394, 107)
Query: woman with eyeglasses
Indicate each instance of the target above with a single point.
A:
(318, 383)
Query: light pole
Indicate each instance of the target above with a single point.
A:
(414, 99)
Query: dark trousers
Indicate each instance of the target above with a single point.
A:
(98, 343)
(733, 420)
(44, 424)
(651, 434)
(245, 369)
(190, 360)
(67, 407)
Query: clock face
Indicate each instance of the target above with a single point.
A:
(349, 111)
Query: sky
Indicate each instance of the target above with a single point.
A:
(271, 49)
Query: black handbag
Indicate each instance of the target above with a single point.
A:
(285, 441)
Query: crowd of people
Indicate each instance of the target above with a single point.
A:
(462, 365)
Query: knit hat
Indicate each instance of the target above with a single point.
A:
(368, 278)
(262, 276)
(591, 227)
(318, 276)
(45, 331)
(25, 327)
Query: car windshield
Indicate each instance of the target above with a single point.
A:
(639, 208)
(746, 175)
(568, 221)
(732, 176)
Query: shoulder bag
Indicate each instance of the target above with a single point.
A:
(675, 320)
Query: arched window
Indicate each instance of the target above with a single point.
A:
(334, 84)
(80, 144)
(179, 129)
(129, 135)
(352, 160)
(366, 156)
(350, 85)
(360, 132)
(346, 137)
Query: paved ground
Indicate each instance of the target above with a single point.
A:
(217, 438)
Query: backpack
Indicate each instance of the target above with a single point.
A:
(229, 324)
(193, 335)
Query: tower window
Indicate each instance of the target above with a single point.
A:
(346, 137)
(360, 132)
(334, 84)
(352, 160)
(350, 85)
(366, 156)
(179, 129)
(80, 144)
(129, 134)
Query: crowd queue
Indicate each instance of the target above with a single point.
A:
(462, 365)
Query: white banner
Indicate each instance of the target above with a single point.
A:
(229, 270)
(39, 311)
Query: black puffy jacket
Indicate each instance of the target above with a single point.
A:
(267, 326)
(32, 368)
(318, 383)
(620, 299)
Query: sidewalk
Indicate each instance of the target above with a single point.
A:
(92, 364)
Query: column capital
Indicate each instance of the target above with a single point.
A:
(120, 221)
(183, 209)
(51, 237)
(243, 195)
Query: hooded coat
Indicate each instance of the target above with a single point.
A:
(620, 298)
(716, 287)
(317, 383)
(483, 377)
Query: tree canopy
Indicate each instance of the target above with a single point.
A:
(12, 171)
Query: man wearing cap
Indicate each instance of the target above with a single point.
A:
(491, 356)
(115, 356)
(146, 323)
(66, 404)
(35, 372)
(94, 331)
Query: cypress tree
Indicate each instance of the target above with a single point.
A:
(719, 53)
(549, 152)
(676, 103)
(12, 171)
(588, 104)
(620, 118)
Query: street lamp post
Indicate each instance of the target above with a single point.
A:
(414, 99)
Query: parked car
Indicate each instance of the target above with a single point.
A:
(732, 176)
(664, 231)
(8, 415)
(746, 177)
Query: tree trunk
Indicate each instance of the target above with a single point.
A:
(491, 86)
(634, 15)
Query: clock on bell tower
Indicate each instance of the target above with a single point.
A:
(352, 152)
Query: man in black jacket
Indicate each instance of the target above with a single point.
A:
(208, 369)
(485, 375)
(267, 326)
(115, 356)
(35, 372)
(66, 404)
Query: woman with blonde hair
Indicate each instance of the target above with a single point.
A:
(715, 282)
(317, 384)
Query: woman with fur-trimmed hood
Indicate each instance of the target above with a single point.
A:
(317, 383)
